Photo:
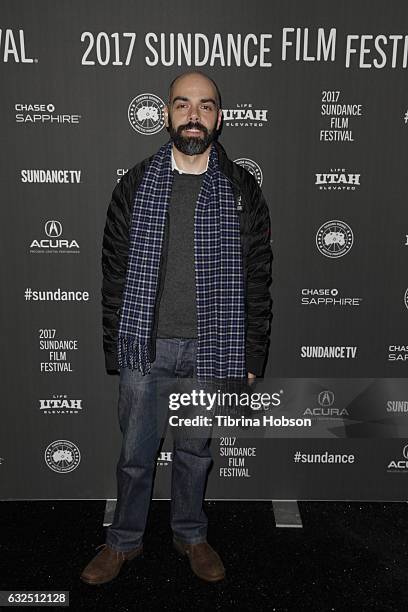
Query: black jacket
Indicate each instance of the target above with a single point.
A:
(256, 257)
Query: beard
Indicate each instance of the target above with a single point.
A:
(191, 145)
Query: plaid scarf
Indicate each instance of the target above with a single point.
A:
(218, 269)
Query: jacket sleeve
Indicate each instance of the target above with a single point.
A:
(258, 281)
(114, 265)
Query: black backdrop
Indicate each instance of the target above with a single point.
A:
(315, 105)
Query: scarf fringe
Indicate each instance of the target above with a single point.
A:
(133, 354)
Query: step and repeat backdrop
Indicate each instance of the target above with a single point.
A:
(315, 105)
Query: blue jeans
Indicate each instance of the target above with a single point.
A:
(142, 422)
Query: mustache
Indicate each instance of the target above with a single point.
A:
(192, 126)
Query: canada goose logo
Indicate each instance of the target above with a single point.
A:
(145, 114)
(252, 167)
(334, 238)
(62, 456)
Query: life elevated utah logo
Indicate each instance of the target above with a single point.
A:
(53, 243)
(145, 114)
(245, 115)
(60, 404)
(164, 458)
(337, 179)
(401, 464)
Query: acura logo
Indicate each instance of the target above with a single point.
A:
(326, 398)
(53, 229)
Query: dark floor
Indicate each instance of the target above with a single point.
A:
(348, 556)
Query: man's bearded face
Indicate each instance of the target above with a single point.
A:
(193, 144)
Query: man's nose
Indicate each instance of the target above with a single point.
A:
(194, 114)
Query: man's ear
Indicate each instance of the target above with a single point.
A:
(166, 115)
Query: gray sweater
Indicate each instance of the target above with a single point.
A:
(178, 306)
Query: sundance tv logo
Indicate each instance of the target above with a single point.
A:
(145, 114)
(50, 176)
(328, 352)
(53, 243)
(397, 406)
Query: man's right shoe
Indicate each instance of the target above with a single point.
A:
(107, 564)
(204, 560)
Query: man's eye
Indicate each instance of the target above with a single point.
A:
(207, 107)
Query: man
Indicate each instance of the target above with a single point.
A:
(186, 271)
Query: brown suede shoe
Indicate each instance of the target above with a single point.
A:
(107, 564)
(204, 561)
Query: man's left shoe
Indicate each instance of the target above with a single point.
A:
(204, 561)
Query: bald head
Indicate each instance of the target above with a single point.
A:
(194, 79)
(193, 115)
